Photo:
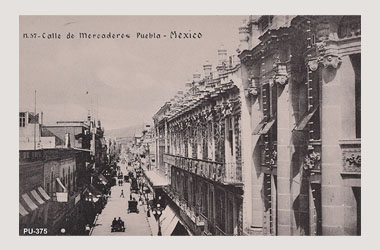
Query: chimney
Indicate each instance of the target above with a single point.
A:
(243, 36)
(89, 116)
(222, 56)
(67, 140)
(196, 77)
(207, 69)
(42, 118)
(188, 84)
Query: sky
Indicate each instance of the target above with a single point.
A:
(124, 82)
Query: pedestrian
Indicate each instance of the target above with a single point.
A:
(109, 193)
(130, 197)
(122, 193)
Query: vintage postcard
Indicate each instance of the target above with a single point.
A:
(213, 125)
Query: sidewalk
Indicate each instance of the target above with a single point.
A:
(152, 222)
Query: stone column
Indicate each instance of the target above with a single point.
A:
(332, 126)
(285, 149)
(256, 174)
(246, 155)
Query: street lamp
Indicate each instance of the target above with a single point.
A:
(157, 212)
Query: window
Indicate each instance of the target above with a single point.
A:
(356, 63)
(317, 200)
(357, 194)
(204, 200)
(220, 209)
(194, 186)
(265, 22)
(185, 190)
(268, 126)
(63, 179)
(310, 120)
(230, 217)
(230, 134)
(22, 119)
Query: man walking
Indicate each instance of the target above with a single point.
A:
(122, 193)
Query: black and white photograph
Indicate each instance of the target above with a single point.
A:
(191, 125)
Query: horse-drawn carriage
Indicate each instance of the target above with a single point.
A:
(132, 206)
(134, 186)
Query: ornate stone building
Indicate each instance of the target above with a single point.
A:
(270, 145)
(199, 138)
(301, 76)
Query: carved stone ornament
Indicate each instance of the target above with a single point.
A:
(313, 64)
(252, 91)
(312, 161)
(321, 47)
(281, 76)
(333, 61)
(281, 79)
(352, 159)
(323, 30)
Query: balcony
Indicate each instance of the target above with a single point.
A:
(225, 173)
(190, 212)
(351, 156)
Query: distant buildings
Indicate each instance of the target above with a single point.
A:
(30, 134)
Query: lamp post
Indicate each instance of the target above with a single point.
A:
(157, 212)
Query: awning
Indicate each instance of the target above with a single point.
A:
(103, 179)
(93, 190)
(305, 118)
(43, 193)
(156, 179)
(29, 202)
(259, 127)
(268, 126)
(60, 183)
(166, 219)
(22, 210)
(170, 228)
(37, 197)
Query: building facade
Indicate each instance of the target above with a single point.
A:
(59, 186)
(49, 197)
(270, 145)
(301, 76)
(199, 149)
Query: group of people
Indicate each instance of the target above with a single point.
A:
(117, 223)
(120, 182)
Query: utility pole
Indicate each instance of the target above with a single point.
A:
(35, 111)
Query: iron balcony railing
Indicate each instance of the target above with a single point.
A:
(226, 173)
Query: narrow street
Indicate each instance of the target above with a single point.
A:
(136, 224)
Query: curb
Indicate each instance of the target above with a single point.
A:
(94, 223)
